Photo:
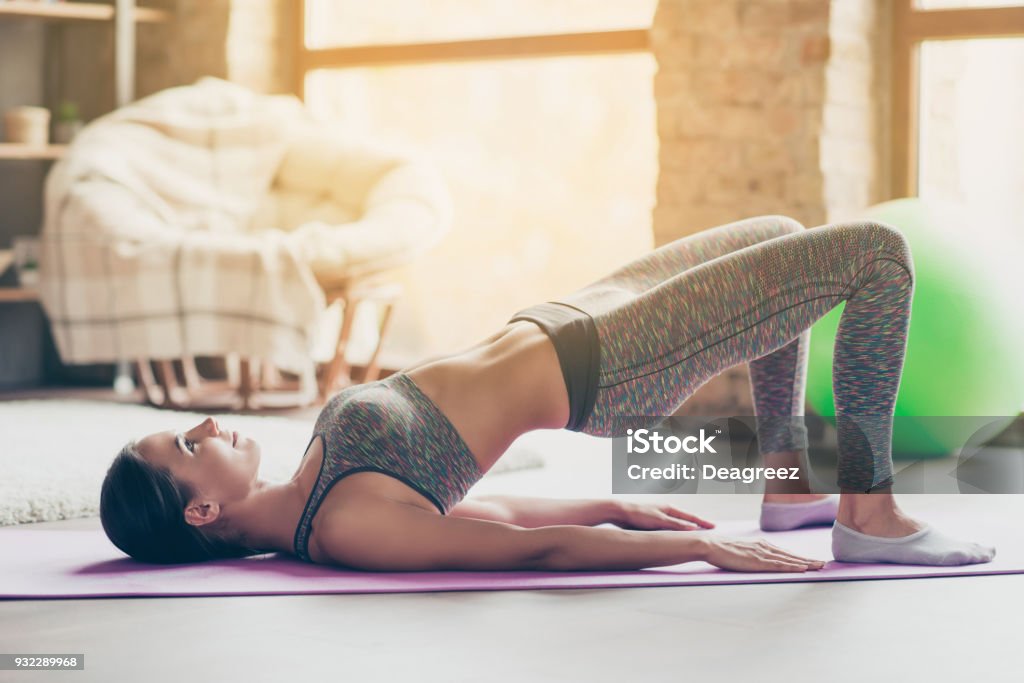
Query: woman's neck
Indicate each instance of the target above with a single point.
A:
(267, 518)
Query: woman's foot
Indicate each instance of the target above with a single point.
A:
(871, 528)
(788, 503)
(787, 511)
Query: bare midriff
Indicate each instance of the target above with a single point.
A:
(493, 392)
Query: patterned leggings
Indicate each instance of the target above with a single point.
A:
(748, 292)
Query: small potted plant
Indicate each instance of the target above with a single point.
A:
(26, 260)
(68, 123)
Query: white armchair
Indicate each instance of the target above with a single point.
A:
(208, 220)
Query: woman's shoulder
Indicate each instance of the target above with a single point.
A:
(342, 527)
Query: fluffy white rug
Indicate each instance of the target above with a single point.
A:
(54, 453)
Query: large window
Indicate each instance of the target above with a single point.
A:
(971, 141)
(958, 100)
(539, 114)
(333, 23)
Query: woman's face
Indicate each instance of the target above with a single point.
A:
(220, 465)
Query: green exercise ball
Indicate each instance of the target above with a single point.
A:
(964, 349)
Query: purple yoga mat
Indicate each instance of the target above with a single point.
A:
(67, 564)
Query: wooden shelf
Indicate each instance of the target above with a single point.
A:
(74, 11)
(9, 294)
(11, 150)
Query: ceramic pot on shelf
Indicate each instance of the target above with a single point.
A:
(27, 125)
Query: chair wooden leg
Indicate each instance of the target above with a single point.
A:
(372, 366)
(245, 384)
(169, 382)
(234, 375)
(150, 387)
(255, 387)
(257, 383)
(193, 382)
(339, 367)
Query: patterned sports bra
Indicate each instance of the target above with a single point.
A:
(388, 426)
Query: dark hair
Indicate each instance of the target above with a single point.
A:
(142, 509)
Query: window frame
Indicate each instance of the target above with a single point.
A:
(626, 40)
(910, 28)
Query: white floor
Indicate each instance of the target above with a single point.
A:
(940, 629)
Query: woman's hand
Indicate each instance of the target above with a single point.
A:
(645, 517)
(756, 556)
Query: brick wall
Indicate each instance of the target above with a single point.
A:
(855, 132)
(764, 107)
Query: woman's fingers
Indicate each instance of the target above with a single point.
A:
(810, 564)
(757, 556)
(779, 557)
(780, 561)
(673, 511)
(677, 523)
(784, 566)
(791, 556)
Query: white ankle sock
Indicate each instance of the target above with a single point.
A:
(786, 516)
(926, 546)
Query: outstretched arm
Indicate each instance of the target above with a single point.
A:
(533, 512)
(382, 535)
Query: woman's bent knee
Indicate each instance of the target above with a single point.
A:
(783, 225)
(871, 237)
(891, 241)
(788, 225)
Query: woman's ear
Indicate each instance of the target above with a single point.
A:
(201, 514)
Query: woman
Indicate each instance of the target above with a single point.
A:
(382, 481)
